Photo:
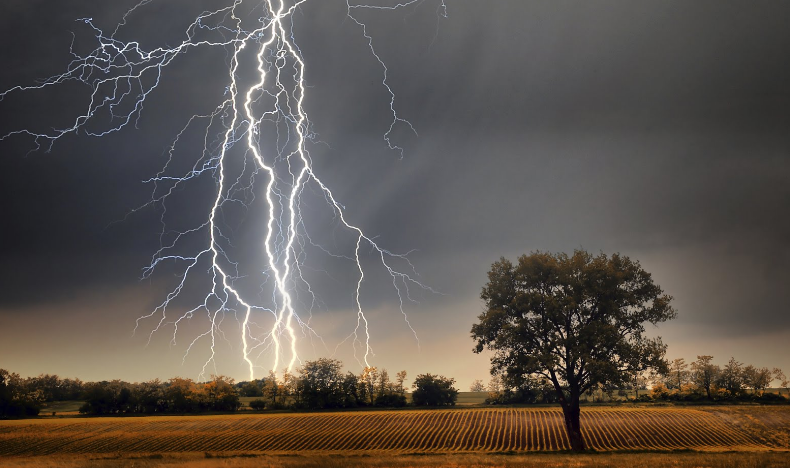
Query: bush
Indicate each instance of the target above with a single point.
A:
(772, 398)
(258, 405)
(219, 394)
(524, 395)
(659, 392)
(19, 408)
(433, 390)
(391, 400)
(496, 398)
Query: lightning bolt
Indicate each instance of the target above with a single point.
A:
(258, 130)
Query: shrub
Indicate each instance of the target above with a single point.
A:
(496, 398)
(258, 405)
(391, 400)
(433, 390)
(659, 392)
(772, 398)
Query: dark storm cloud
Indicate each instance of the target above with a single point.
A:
(657, 129)
(634, 127)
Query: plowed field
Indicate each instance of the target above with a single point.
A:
(442, 431)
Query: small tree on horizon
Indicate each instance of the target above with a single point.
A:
(731, 377)
(399, 380)
(320, 384)
(757, 378)
(704, 374)
(783, 381)
(678, 374)
(433, 390)
(477, 386)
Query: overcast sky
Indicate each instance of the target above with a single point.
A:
(659, 130)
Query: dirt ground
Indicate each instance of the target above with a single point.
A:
(555, 460)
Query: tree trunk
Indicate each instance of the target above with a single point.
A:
(572, 425)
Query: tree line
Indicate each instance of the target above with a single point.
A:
(698, 381)
(25, 396)
(702, 379)
(319, 384)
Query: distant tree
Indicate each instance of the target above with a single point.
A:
(783, 381)
(320, 384)
(678, 374)
(639, 383)
(181, 395)
(367, 385)
(477, 386)
(705, 374)
(757, 378)
(250, 389)
(70, 389)
(273, 391)
(289, 381)
(383, 385)
(351, 390)
(495, 384)
(390, 394)
(399, 381)
(6, 392)
(578, 321)
(149, 397)
(108, 398)
(48, 386)
(433, 390)
(17, 397)
(278, 390)
(731, 377)
(219, 394)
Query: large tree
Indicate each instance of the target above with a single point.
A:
(579, 321)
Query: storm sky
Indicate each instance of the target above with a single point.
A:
(659, 130)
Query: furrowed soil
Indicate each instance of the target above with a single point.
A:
(442, 438)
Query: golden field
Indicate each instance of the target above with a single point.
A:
(406, 431)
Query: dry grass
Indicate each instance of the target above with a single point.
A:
(250, 460)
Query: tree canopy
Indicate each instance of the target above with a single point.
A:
(578, 321)
(434, 390)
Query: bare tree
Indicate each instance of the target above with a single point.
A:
(495, 384)
(783, 381)
(731, 377)
(678, 374)
(400, 378)
(757, 378)
(477, 386)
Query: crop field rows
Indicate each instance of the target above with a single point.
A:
(406, 431)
